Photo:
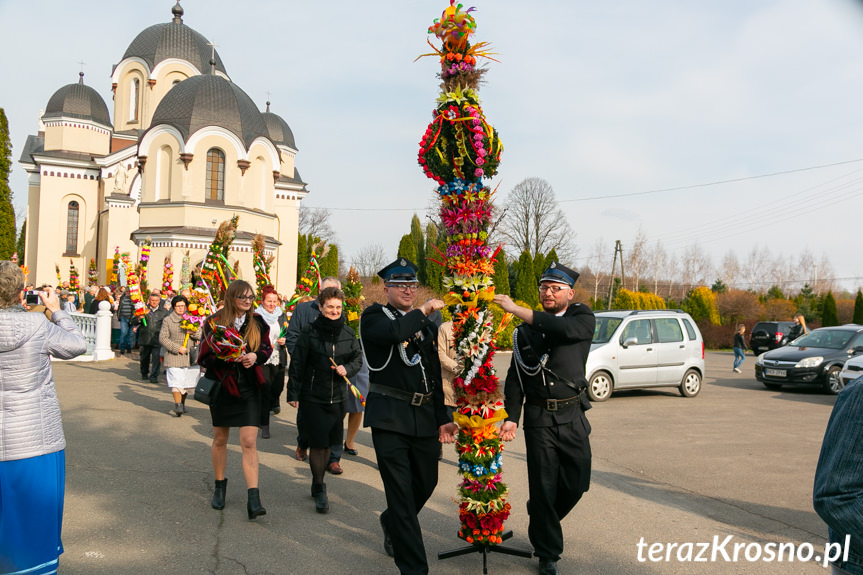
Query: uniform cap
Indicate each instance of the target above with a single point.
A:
(400, 271)
(559, 273)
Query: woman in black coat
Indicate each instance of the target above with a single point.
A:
(326, 353)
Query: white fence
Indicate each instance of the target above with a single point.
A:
(97, 332)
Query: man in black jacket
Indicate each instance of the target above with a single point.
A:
(405, 409)
(547, 377)
(148, 336)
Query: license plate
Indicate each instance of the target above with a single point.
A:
(775, 372)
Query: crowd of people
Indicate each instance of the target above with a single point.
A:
(401, 360)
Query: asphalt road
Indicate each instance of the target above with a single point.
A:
(737, 460)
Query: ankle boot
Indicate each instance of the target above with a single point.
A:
(265, 432)
(322, 505)
(178, 409)
(254, 507)
(183, 402)
(219, 493)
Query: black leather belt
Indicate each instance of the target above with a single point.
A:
(554, 404)
(415, 399)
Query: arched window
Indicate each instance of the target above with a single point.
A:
(215, 174)
(134, 97)
(72, 228)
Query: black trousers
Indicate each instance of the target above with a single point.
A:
(274, 385)
(409, 468)
(558, 473)
(150, 361)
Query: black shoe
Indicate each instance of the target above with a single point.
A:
(154, 380)
(265, 432)
(219, 494)
(144, 377)
(547, 567)
(388, 543)
(183, 402)
(178, 409)
(276, 410)
(440, 454)
(254, 507)
(322, 504)
(350, 451)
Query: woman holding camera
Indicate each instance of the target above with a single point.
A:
(32, 444)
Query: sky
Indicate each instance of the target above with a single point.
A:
(626, 108)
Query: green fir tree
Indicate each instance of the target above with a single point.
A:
(501, 275)
(829, 313)
(8, 241)
(407, 248)
(858, 309)
(538, 266)
(329, 264)
(22, 242)
(526, 285)
(418, 239)
(434, 271)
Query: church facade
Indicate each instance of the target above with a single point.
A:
(186, 150)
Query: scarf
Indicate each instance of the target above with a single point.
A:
(329, 328)
(272, 320)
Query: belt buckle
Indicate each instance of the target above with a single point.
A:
(551, 404)
(417, 399)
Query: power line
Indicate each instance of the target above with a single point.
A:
(611, 196)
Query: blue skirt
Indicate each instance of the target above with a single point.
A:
(31, 514)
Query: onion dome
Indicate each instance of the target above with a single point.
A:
(78, 101)
(173, 40)
(202, 101)
(278, 130)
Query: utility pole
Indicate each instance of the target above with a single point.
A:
(618, 248)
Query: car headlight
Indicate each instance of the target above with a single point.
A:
(810, 362)
(759, 360)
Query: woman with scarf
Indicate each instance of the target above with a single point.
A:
(274, 368)
(326, 353)
(240, 400)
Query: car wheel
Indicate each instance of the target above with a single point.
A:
(832, 382)
(691, 384)
(600, 386)
(773, 386)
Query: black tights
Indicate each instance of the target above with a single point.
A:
(318, 458)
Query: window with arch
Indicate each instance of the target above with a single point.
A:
(215, 174)
(134, 97)
(72, 228)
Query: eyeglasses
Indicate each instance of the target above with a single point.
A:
(404, 287)
(553, 289)
(245, 297)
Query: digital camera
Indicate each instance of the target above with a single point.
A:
(32, 297)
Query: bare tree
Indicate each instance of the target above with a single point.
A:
(695, 267)
(369, 259)
(757, 261)
(636, 260)
(316, 221)
(729, 271)
(781, 272)
(595, 262)
(535, 223)
(657, 262)
(822, 276)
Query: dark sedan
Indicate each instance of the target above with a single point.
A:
(813, 359)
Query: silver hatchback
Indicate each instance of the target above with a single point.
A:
(636, 349)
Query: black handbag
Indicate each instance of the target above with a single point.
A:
(207, 390)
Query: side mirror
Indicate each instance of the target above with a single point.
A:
(630, 341)
(858, 349)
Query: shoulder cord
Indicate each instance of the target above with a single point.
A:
(410, 363)
(529, 370)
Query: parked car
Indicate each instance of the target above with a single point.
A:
(767, 335)
(635, 349)
(852, 369)
(813, 359)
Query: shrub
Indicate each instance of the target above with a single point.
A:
(738, 306)
(626, 299)
(779, 309)
(700, 303)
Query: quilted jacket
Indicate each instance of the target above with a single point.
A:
(30, 423)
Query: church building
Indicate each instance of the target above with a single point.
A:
(186, 150)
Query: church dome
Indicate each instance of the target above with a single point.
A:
(210, 100)
(78, 101)
(173, 40)
(278, 130)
